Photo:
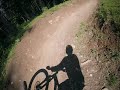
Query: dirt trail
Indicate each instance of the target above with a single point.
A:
(45, 44)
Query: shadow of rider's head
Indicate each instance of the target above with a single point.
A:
(69, 50)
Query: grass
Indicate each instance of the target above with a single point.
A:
(110, 8)
(112, 79)
(9, 51)
(83, 29)
(110, 11)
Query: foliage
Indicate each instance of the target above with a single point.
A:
(110, 11)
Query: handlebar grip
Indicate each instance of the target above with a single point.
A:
(48, 67)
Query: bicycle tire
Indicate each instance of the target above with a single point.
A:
(33, 78)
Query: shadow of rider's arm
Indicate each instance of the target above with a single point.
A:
(58, 67)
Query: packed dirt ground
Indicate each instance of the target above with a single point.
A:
(46, 42)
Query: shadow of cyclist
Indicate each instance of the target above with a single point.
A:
(70, 64)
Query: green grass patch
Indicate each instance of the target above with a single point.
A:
(109, 10)
(83, 29)
(112, 80)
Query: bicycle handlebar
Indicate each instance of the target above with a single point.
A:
(48, 67)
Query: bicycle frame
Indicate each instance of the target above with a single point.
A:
(47, 81)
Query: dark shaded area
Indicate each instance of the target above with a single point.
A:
(70, 65)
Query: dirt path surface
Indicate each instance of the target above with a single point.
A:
(45, 45)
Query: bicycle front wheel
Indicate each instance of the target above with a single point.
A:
(38, 78)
